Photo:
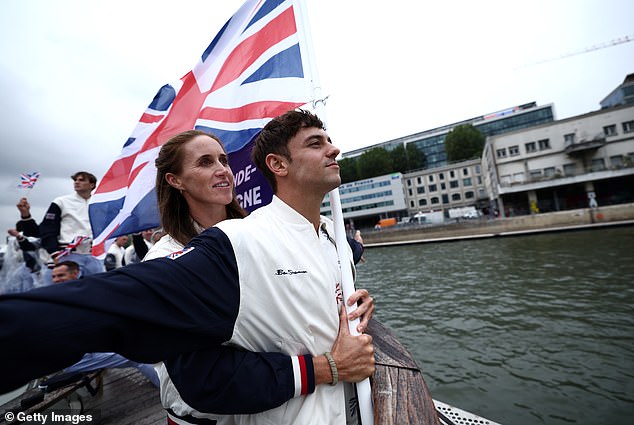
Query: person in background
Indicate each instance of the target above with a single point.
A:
(236, 284)
(66, 222)
(65, 271)
(24, 256)
(115, 255)
(141, 244)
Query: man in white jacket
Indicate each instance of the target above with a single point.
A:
(269, 282)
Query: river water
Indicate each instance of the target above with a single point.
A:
(520, 330)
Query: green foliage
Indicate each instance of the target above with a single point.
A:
(399, 159)
(375, 162)
(407, 159)
(415, 157)
(464, 142)
(378, 162)
(348, 170)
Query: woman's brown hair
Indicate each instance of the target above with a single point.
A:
(173, 208)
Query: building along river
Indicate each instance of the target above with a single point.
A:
(521, 330)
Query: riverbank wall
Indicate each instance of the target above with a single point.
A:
(483, 227)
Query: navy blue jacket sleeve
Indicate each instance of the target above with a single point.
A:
(146, 312)
(140, 248)
(49, 228)
(28, 227)
(357, 249)
(227, 380)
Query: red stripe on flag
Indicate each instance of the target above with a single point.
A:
(302, 372)
(256, 110)
(117, 176)
(150, 119)
(250, 49)
(183, 113)
(135, 172)
(98, 250)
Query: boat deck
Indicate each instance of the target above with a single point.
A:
(126, 397)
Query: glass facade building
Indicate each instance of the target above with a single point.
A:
(432, 142)
(622, 95)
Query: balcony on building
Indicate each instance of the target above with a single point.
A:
(584, 145)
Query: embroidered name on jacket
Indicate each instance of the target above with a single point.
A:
(280, 272)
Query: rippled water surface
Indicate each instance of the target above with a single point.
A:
(523, 330)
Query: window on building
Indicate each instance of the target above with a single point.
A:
(443, 186)
(570, 169)
(609, 130)
(422, 202)
(479, 179)
(531, 147)
(501, 153)
(454, 184)
(431, 178)
(468, 194)
(445, 198)
(514, 150)
(409, 192)
(478, 169)
(505, 180)
(435, 200)
(420, 189)
(411, 204)
(465, 171)
(598, 164)
(481, 193)
(432, 188)
(628, 126)
(544, 144)
(466, 182)
(535, 174)
(455, 197)
(616, 161)
(409, 182)
(441, 176)
(569, 139)
(452, 174)
(518, 177)
(419, 180)
(549, 171)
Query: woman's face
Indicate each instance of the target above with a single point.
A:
(206, 180)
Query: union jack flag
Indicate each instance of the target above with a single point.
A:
(27, 181)
(253, 70)
(77, 240)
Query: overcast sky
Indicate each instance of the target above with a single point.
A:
(75, 76)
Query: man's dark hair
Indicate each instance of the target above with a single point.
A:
(73, 267)
(275, 135)
(89, 176)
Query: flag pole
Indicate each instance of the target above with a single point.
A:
(364, 391)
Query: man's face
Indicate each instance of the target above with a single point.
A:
(62, 274)
(313, 164)
(82, 184)
(121, 240)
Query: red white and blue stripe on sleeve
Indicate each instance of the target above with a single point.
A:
(304, 374)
